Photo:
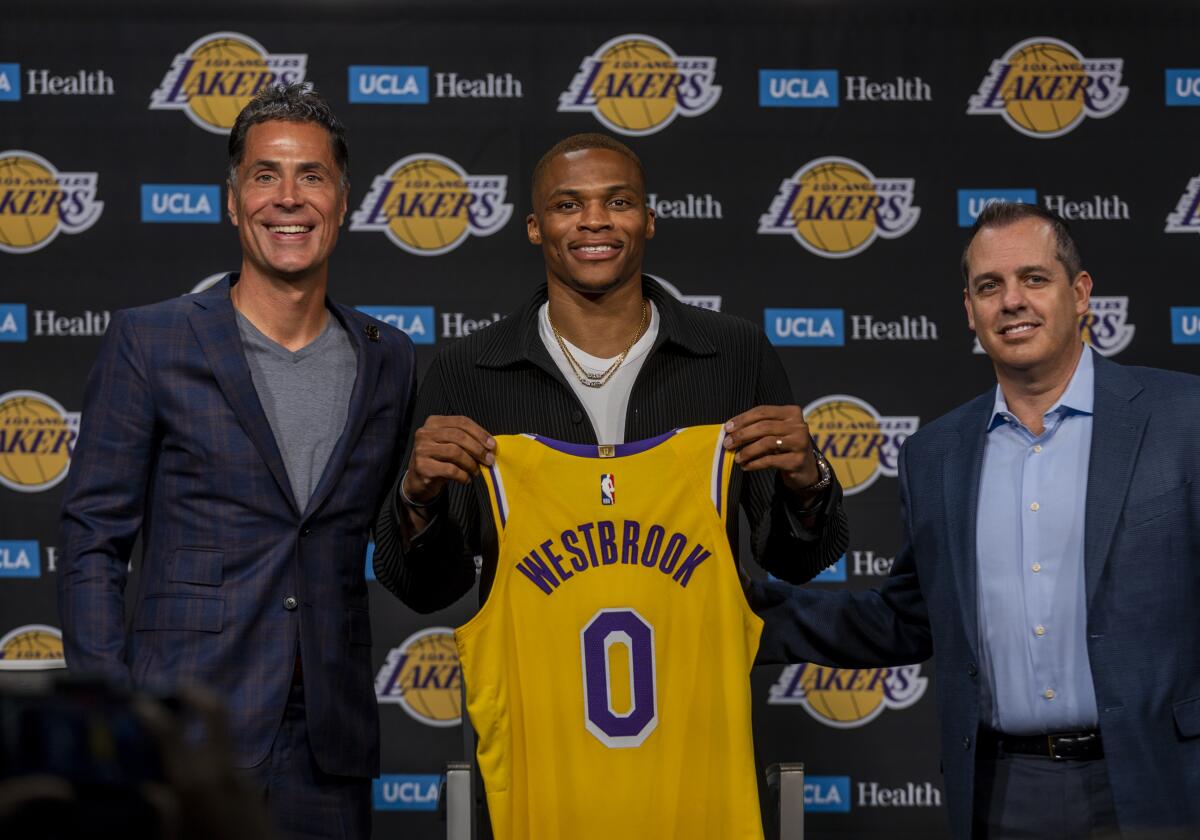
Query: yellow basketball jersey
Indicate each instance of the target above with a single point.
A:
(608, 671)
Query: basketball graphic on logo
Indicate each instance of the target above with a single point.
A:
(443, 188)
(854, 429)
(20, 231)
(831, 180)
(424, 677)
(230, 57)
(839, 705)
(36, 437)
(1037, 62)
(33, 646)
(627, 109)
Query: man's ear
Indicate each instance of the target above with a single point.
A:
(532, 230)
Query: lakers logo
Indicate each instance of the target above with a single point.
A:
(218, 74)
(428, 205)
(37, 436)
(846, 699)
(424, 677)
(37, 202)
(1044, 88)
(835, 207)
(32, 647)
(1104, 327)
(860, 443)
(1186, 218)
(636, 85)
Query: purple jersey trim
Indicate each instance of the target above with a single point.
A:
(499, 496)
(590, 450)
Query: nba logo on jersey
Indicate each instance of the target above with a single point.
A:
(608, 489)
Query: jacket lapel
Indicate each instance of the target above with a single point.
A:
(215, 326)
(370, 357)
(961, 471)
(1117, 429)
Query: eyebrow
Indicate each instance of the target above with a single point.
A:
(274, 164)
(608, 189)
(1021, 272)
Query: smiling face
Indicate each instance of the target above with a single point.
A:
(591, 219)
(1020, 301)
(288, 201)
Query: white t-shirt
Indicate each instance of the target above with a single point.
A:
(606, 405)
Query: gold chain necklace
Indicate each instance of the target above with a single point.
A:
(587, 377)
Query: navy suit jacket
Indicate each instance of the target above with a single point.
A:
(175, 446)
(1142, 571)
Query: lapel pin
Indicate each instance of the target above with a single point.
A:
(372, 332)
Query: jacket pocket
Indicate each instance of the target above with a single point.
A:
(1163, 504)
(180, 612)
(1187, 717)
(359, 630)
(203, 566)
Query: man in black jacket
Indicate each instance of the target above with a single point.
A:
(600, 354)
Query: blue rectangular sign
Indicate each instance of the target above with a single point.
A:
(798, 88)
(384, 85)
(14, 322)
(181, 203)
(10, 82)
(370, 572)
(833, 574)
(972, 202)
(400, 792)
(829, 794)
(20, 559)
(1185, 324)
(417, 321)
(1183, 87)
(805, 327)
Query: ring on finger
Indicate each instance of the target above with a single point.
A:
(778, 444)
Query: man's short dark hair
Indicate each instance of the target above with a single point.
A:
(297, 102)
(1004, 213)
(578, 143)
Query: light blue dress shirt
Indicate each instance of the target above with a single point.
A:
(1029, 547)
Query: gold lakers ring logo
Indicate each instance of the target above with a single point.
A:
(423, 675)
(428, 205)
(37, 202)
(32, 647)
(636, 85)
(218, 74)
(1044, 88)
(835, 207)
(37, 436)
(860, 443)
(846, 699)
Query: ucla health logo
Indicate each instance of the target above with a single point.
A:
(1185, 324)
(805, 327)
(1186, 218)
(423, 675)
(214, 79)
(636, 85)
(10, 82)
(37, 436)
(827, 794)
(20, 559)
(14, 322)
(416, 321)
(428, 205)
(1183, 87)
(390, 85)
(187, 203)
(848, 699)
(861, 443)
(798, 88)
(973, 202)
(406, 792)
(37, 202)
(836, 208)
(1044, 87)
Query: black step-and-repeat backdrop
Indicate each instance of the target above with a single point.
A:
(813, 170)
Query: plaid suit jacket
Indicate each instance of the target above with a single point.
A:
(175, 447)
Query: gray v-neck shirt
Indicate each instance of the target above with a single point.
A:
(305, 395)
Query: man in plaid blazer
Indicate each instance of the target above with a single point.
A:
(244, 433)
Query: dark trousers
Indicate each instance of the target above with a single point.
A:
(304, 801)
(1019, 797)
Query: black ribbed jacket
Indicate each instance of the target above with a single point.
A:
(705, 367)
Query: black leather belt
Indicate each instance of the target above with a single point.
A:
(1061, 746)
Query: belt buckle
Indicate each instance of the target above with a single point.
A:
(1050, 739)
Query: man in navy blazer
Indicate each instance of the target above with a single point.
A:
(1051, 560)
(245, 434)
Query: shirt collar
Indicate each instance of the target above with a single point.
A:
(1078, 398)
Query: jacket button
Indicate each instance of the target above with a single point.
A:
(966, 742)
(972, 670)
(577, 416)
(290, 603)
(305, 532)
